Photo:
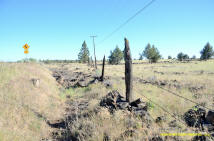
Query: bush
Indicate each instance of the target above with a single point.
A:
(116, 56)
(207, 52)
(151, 53)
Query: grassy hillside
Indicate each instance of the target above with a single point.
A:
(24, 107)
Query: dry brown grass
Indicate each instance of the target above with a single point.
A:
(21, 101)
(187, 75)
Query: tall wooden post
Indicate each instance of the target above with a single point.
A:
(128, 72)
(103, 69)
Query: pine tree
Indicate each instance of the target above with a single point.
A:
(151, 53)
(116, 56)
(83, 55)
(207, 52)
(181, 56)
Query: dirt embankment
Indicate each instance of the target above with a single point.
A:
(28, 96)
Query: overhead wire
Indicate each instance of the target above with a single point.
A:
(127, 21)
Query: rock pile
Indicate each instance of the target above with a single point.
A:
(70, 79)
(198, 117)
(73, 79)
(195, 117)
(210, 117)
(114, 101)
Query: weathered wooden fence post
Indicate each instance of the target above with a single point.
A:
(128, 72)
(103, 69)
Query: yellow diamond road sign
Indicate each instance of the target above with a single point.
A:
(26, 47)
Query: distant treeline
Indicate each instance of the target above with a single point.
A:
(58, 61)
(47, 61)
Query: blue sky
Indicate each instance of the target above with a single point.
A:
(56, 29)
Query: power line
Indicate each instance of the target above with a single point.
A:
(127, 21)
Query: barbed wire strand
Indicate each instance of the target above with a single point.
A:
(179, 96)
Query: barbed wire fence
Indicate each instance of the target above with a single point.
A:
(196, 130)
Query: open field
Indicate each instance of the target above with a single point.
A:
(26, 108)
(192, 80)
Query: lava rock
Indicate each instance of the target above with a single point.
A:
(210, 117)
(57, 123)
(111, 99)
(157, 138)
(160, 119)
(123, 105)
(136, 102)
(195, 117)
(201, 138)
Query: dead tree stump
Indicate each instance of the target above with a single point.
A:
(128, 72)
(102, 77)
